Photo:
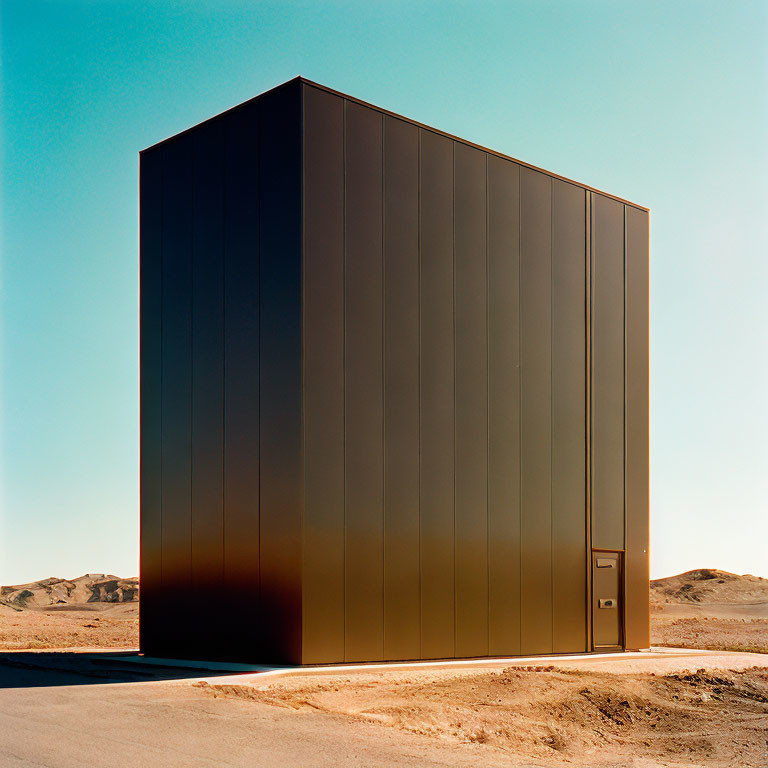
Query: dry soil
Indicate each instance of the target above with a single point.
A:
(93, 611)
(591, 712)
(547, 715)
(710, 609)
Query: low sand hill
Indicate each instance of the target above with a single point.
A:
(708, 591)
(90, 588)
(96, 610)
(708, 608)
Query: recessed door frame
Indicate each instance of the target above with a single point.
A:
(622, 603)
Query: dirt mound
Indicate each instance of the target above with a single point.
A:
(550, 715)
(64, 593)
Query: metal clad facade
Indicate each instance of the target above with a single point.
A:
(207, 523)
(503, 406)
(177, 383)
(206, 254)
(437, 392)
(536, 411)
(471, 404)
(402, 604)
(364, 434)
(367, 397)
(323, 545)
(637, 629)
(241, 521)
(569, 461)
(281, 496)
(151, 360)
(607, 373)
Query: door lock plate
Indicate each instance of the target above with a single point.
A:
(606, 602)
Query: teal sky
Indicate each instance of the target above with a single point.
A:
(663, 103)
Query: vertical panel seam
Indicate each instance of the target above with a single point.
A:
(624, 477)
(344, 365)
(590, 392)
(647, 420)
(162, 355)
(588, 415)
(192, 263)
(520, 410)
(453, 319)
(418, 257)
(224, 260)
(384, 320)
(383, 406)
(141, 401)
(260, 338)
(551, 413)
(190, 306)
(190, 309)
(487, 421)
(302, 297)
(222, 173)
(260, 347)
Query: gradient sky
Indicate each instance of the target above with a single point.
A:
(664, 103)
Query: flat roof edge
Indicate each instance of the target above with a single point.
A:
(225, 112)
(398, 116)
(451, 136)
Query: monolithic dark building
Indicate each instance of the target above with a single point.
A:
(394, 394)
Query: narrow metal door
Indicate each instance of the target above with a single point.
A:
(607, 601)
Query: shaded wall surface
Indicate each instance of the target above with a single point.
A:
(221, 386)
(385, 376)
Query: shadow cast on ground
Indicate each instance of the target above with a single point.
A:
(55, 668)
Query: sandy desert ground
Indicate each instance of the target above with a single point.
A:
(551, 715)
(670, 708)
(711, 609)
(92, 611)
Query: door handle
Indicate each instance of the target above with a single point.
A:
(606, 602)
